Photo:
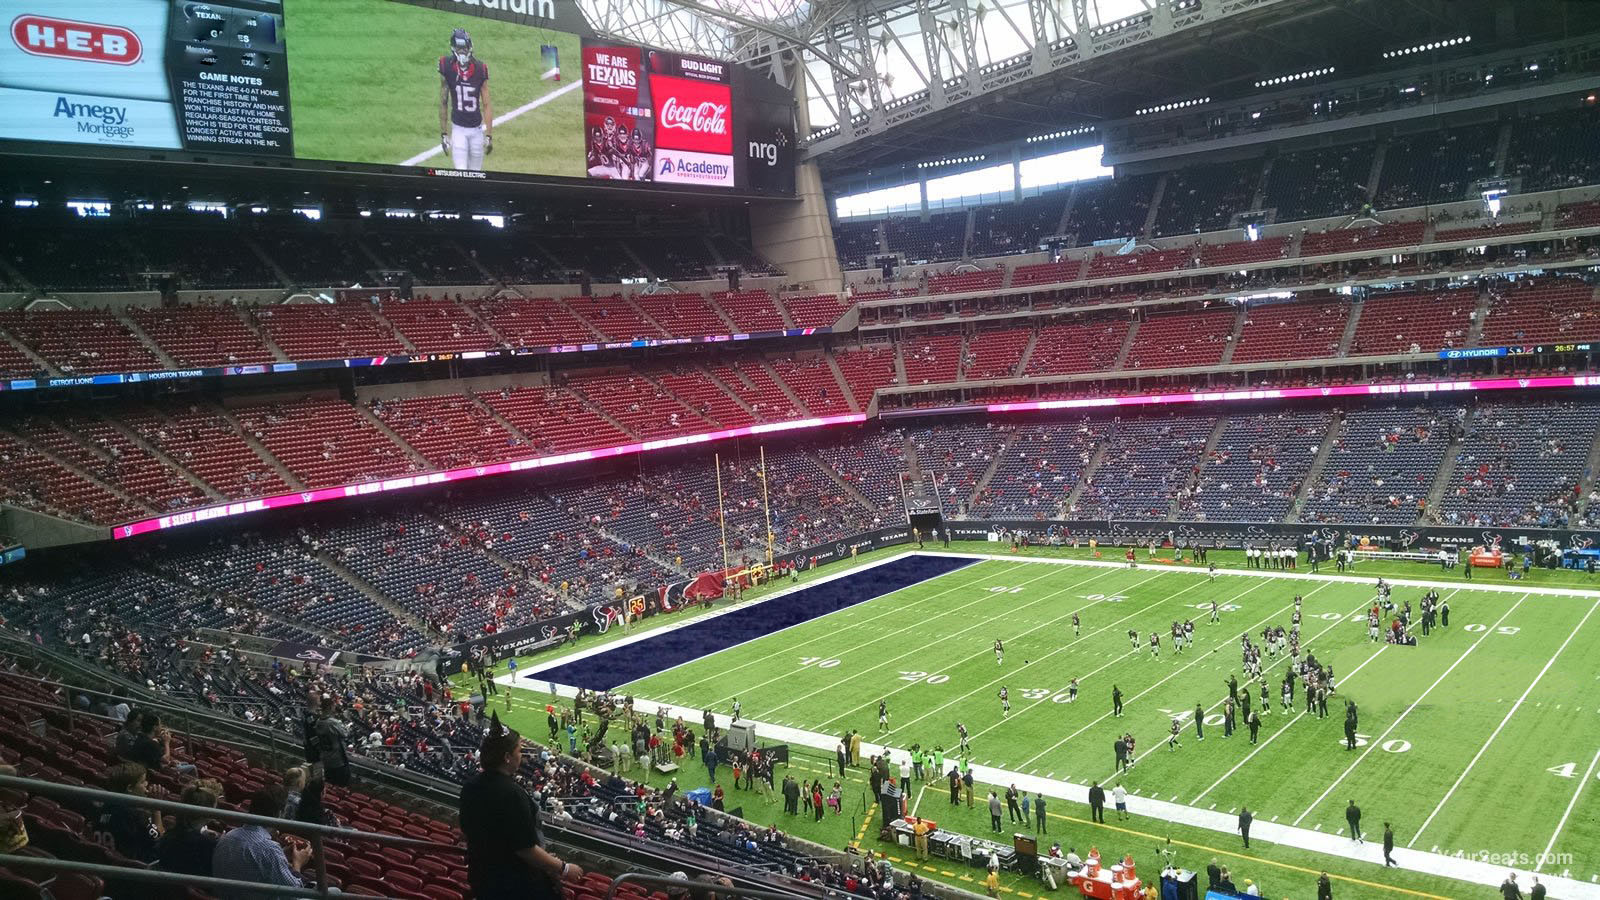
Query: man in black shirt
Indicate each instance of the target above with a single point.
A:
(128, 829)
(501, 825)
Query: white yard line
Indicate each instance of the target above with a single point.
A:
(1496, 733)
(727, 609)
(1373, 744)
(1087, 675)
(499, 120)
(1582, 782)
(1279, 733)
(1175, 673)
(897, 611)
(987, 598)
(1013, 676)
(1342, 620)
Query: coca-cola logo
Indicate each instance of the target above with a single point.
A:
(702, 118)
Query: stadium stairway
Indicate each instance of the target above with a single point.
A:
(1447, 464)
(1329, 439)
(1196, 470)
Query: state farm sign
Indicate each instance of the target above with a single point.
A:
(692, 115)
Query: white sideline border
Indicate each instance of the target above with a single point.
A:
(1438, 864)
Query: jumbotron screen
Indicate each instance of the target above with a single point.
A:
(461, 88)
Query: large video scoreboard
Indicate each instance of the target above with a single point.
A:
(453, 88)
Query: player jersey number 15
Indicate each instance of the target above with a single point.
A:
(466, 97)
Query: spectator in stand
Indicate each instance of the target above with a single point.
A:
(131, 831)
(331, 734)
(501, 824)
(248, 853)
(188, 848)
(151, 745)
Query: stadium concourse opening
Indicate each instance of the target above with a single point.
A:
(669, 647)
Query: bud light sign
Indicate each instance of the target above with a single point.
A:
(693, 115)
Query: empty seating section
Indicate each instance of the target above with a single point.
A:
(1414, 322)
(866, 370)
(873, 466)
(435, 258)
(1305, 329)
(284, 576)
(1240, 253)
(939, 238)
(1047, 273)
(313, 258)
(95, 446)
(1555, 150)
(603, 257)
(201, 440)
(323, 442)
(856, 243)
(554, 419)
(1328, 181)
(1353, 240)
(1437, 166)
(682, 315)
(437, 326)
(1205, 197)
(1556, 310)
(811, 379)
(14, 363)
(958, 282)
(751, 383)
(1034, 477)
(80, 341)
(1143, 263)
(449, 430)
(1181, 339)
(534, 323)
(1520, 464)
(752, 311)
(1578, 215)
(734, 252)
(816, 311)
(515, 261)
(1067, 348)
(1006, 228)
(929, 359)
(68, 257)
(641, 406)
(327, 331)
(994, 353)
(1256, 468)
(613, 317)
(955, 457)
(1147, 463)
(1110, 208)
(202, 335)
(1382, 465)
(1484, 232)
(213, 256)
(35, 481)
(674, 258)
(705, 397)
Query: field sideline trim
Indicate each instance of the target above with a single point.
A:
(1442, 865)
(499, 120)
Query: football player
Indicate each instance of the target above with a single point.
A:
(643, 165)
(466, 120)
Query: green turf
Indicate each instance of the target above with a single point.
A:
(927, 651)
(1418, 747)
(364, 85)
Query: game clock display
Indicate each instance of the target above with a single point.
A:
(447, 87)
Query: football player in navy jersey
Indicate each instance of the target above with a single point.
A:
(643, 165)
(466, 120)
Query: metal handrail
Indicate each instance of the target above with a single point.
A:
(158, 876)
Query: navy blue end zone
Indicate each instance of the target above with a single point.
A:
(604, 671)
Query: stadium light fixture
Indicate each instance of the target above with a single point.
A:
(1431, 45)
(1168, 107)
(1039, 138)
(952, 161)
(1298, 76)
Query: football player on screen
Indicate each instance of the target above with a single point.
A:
(465, 118)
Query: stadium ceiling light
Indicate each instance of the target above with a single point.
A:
(1178, 104)
(1431, 45)
(1298, 76)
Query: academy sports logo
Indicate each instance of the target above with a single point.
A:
(81, 41)
(685, 167)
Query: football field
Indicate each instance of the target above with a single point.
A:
(1482, 742)
(364, 87)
